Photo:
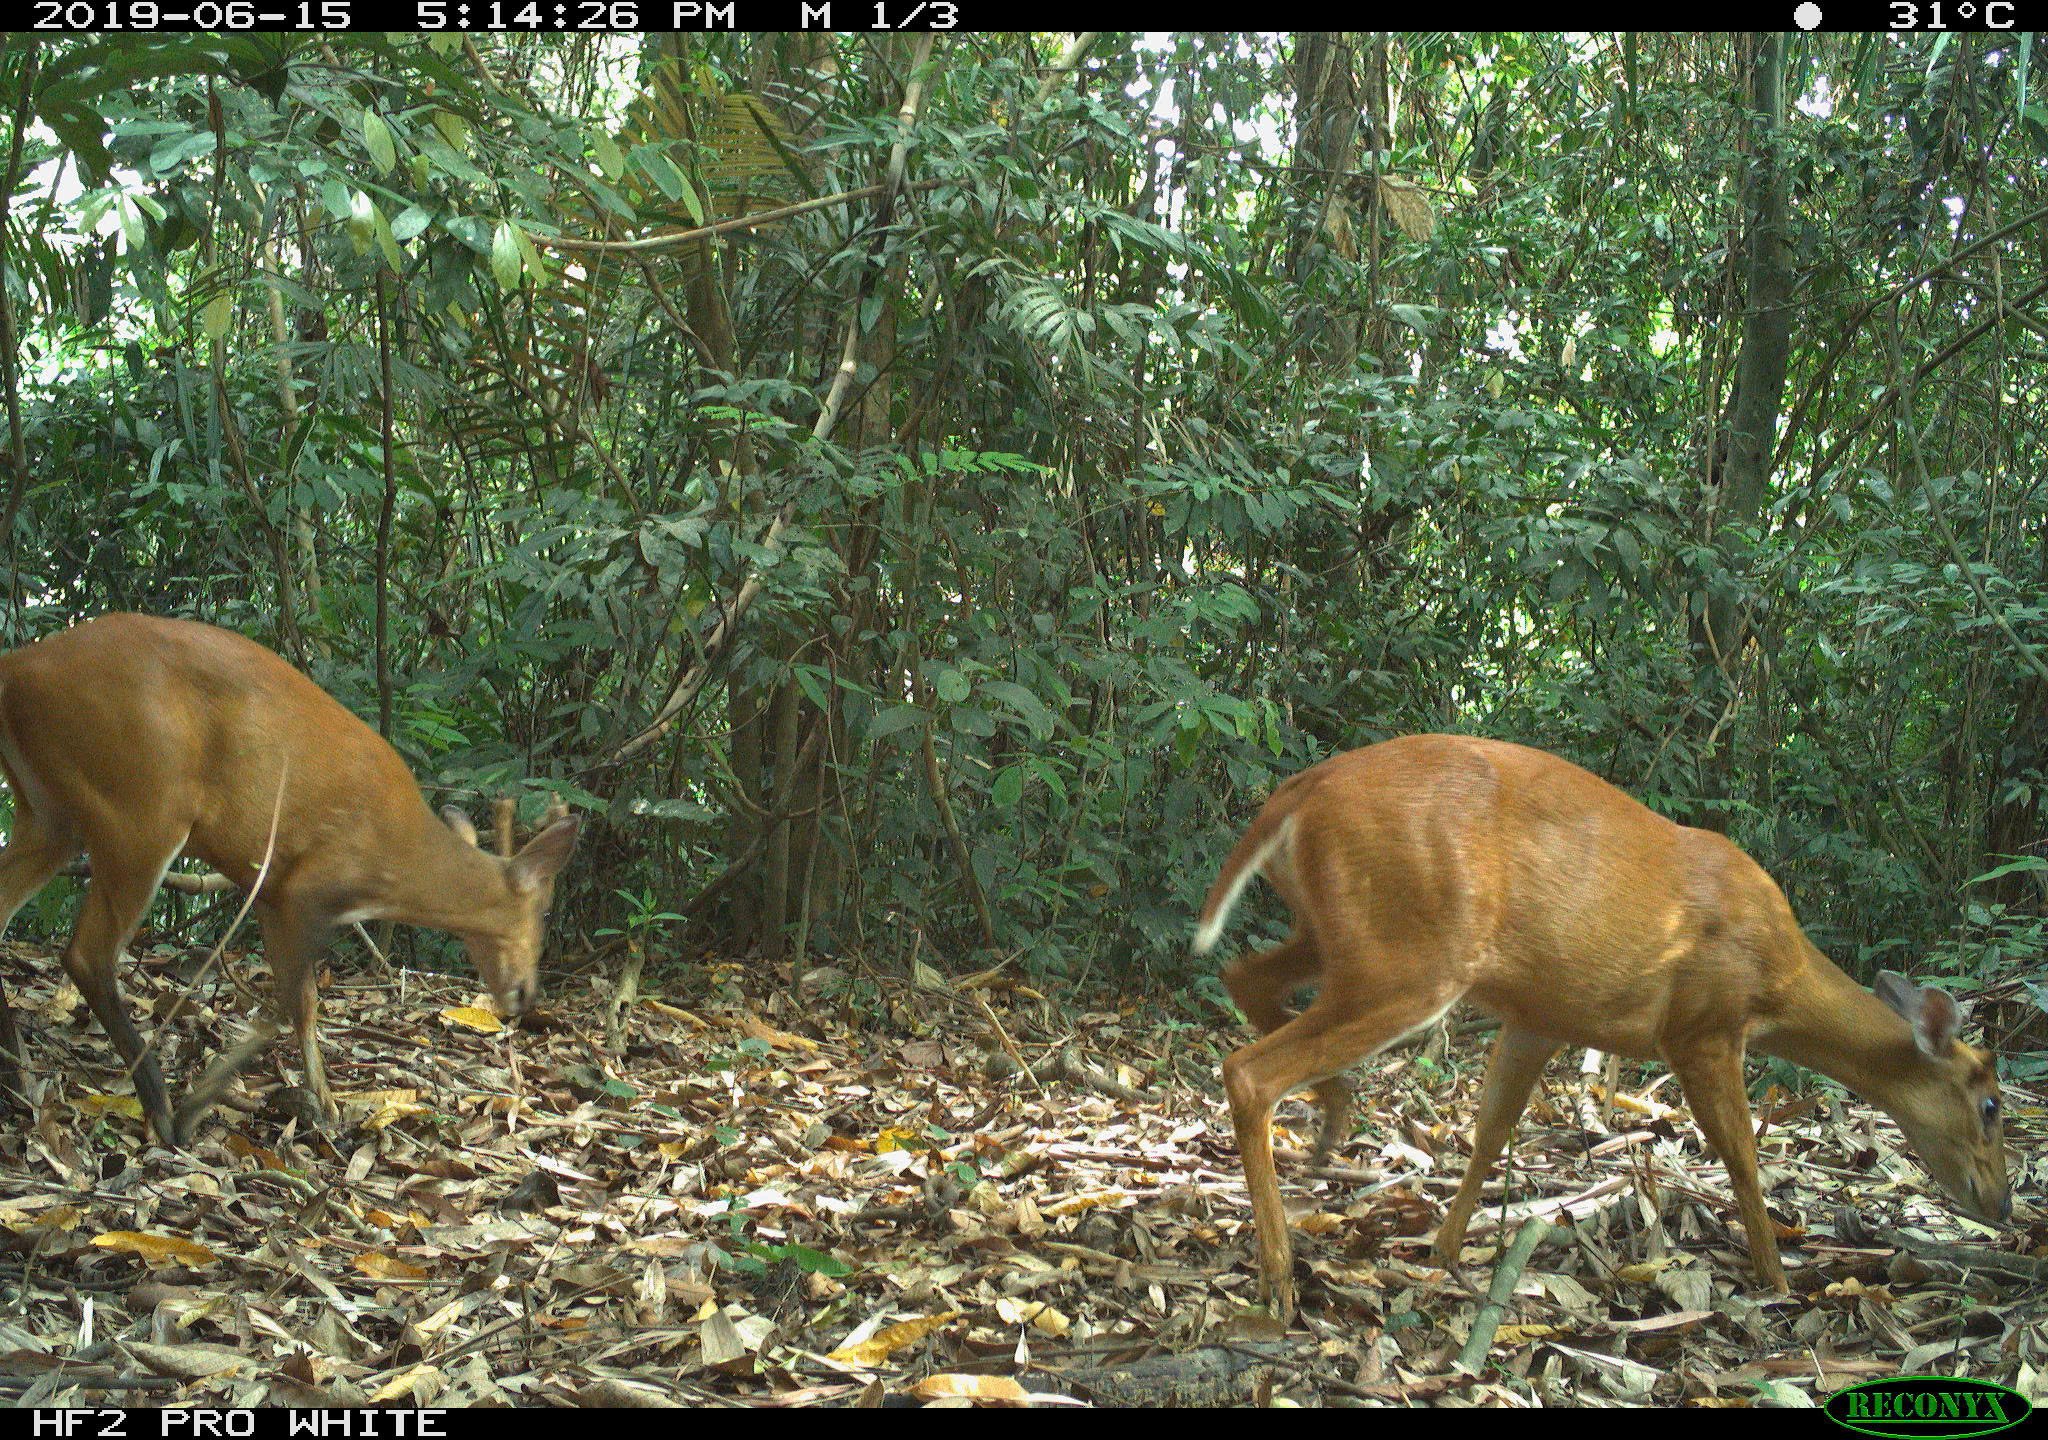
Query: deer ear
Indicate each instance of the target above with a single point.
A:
(1934, 1015)
(459, 823)
(545, 854)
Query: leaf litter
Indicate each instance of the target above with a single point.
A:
(954, 1193)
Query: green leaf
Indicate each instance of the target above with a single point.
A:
(971, 720)
(1009, 787)
(173, 152)
(505, 255)
(362, 221)
(900, 717)
(133, 231)
(410, 222)
(813, 681)
(816, 1262)
(611, 162)
(377, 140)
(1028, 706)
(952, 686)
(454, 129)
(2028, 864)
(536, 266)
(215, 317)
(387, 244)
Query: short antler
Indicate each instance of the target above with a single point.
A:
(504, 812)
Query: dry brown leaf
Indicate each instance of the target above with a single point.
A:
(1408, 206)
(187, 1362)
(886, 1342)
(779, 1039)
(379, 1266)
(1000, 1389)
(388, 1115)
(156, 1249)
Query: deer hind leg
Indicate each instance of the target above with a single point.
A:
(35, 852)
(294, 970)
(1712, 1080)
(1262, 984)
(1343, 1026)
(116, 898)
(1511, 1074)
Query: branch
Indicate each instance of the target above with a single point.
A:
(1076, 51)
(677, 238)
(211, 883)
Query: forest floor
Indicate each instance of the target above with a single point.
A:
(870, 1190)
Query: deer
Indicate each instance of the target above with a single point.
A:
(1432, 868)
(134, 739)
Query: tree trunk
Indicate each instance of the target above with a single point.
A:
(1738, 458)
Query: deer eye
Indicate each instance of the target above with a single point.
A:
(1989, 1110)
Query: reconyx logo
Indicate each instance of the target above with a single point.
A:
(1915, 1406)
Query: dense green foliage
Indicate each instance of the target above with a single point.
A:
(1213, 404)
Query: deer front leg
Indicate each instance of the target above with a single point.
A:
(1711, 1076)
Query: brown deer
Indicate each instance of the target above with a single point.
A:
(136, 740)
(1435, 868)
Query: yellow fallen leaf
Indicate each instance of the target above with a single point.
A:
(379, 1266)
(61, 1217)
(1523, 1334)
(779, 1039)
(156, 1249)
(435, 1323)
(886, 1342)
(385, 1219)
(997, 979)
(470, 1017)
(126, 1105)
(1643, 1272)
(1321, 1222)
(1035, 1313)
(970, 1387)
(391, 1114)
(421, 1382)
(888, 1140)
(1094, 1200)
(374, 1098)
(673, 1012)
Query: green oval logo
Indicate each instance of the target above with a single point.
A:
(1910, 1407)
